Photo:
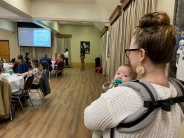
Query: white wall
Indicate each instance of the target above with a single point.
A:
(23, 5)
(52, 25)
(7, 25)
(83, 33)
(13, 42)
(69, 11)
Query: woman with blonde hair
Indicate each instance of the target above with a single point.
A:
(60, 58)
(151, 48)
(37, 71)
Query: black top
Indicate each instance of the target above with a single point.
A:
(27, 59)
(83, 51)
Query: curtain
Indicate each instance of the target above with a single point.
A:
(62, 44)
(36, 52)
(122, 32)
(103, 52)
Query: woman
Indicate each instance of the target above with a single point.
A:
(150, 50)
(22, 67)
(66, 57)
(37, 72)
(15, 65)
(26, 58)
(82, 57)
(61, 58)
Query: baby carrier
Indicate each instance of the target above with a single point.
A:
(145, 114)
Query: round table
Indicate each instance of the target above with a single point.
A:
(16, 82)
(7, 67)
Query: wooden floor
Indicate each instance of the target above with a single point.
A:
(61, 113)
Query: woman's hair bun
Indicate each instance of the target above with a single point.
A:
(154, 19)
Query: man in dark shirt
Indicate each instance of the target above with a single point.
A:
(82, 57)
(26, 57)
(46, 59)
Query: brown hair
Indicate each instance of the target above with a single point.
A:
(37, 64)
(133, 73)
(20, 58)
(156, 36)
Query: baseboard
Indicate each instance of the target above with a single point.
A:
(107, 76)
(78, 63)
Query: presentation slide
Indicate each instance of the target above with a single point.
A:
(38, 37)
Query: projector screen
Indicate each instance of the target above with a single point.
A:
(37, 37)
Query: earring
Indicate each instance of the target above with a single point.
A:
(140, 70)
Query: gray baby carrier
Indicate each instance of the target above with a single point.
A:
(145, 114)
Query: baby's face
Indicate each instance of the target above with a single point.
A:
(124, 74)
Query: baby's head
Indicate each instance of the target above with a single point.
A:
(125, 73)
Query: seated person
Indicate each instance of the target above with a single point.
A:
(48, 60)
(13, 60)
(3, 77)
(1, 66)
(37, 72)
(124, 73)
(60, 58)
(22, 67)
(26, 58)
(1, 59)
(15, 65)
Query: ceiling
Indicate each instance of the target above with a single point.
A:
(85, 1)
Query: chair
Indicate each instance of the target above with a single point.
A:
(45, 65)
(24, 91)
(39, 90)
(60, 66)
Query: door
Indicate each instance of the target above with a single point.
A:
(4, 50)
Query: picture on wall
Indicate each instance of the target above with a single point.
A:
(86, 45)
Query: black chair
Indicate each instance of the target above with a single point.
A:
(45, 65)
(25, 91)
(60, 67)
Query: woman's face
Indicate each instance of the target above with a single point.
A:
(134, 55)
(32, 65)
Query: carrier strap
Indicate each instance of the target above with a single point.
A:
(164, 104)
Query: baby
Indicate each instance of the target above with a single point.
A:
(124, 73)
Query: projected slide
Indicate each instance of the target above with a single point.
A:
(34, 37)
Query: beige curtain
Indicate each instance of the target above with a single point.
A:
(103, 52)
(35, 52)
(122, 32)
(63, 43)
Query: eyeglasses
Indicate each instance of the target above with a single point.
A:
(128, 51)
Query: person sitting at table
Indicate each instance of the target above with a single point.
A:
(1, 66)
(3, 77)
(60, 58)
(48, 60)
(26, 58)
(37, 72)
(1, 59)
(22, 67)
(15, 65)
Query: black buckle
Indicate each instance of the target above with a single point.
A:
(171, 101)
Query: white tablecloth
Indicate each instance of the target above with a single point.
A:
(7, 67)
(16, 82)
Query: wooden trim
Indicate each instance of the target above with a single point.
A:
(124, 4)
(78, 63)
(105, 29)
(63, 36)
(117, 12)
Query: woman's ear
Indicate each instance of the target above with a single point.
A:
(142, 54)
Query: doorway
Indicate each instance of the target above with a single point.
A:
(4, 50)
